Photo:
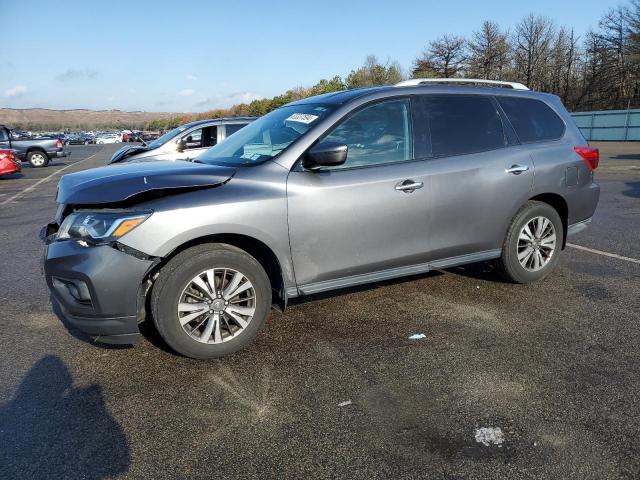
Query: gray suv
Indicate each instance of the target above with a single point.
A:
(327, 192)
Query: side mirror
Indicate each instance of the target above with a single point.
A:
(180, 145)
(325, 154)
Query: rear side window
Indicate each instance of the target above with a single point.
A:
(532, 119)
(233, 128)
(461, 124)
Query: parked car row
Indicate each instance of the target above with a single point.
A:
(324, 193)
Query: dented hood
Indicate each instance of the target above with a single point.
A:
(120, 182)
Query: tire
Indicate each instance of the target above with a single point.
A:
(527, 258)
(38, 159)
(175, 284)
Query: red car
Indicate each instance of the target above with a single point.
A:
(9, 163)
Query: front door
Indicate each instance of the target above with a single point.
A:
(368, 215)
(476, 177)
(197, 141)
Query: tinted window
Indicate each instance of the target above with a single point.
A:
(532, 119)
(3, 135)
(233, 128)
(462, 124)
(209, 136)
(377, 134)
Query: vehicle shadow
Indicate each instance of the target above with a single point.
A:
(480, 271)
(11, 176)
(75, 333)
(362, 288)
(633, 190)
(627, 156)
(53, 429)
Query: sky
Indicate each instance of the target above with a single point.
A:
(196, 55)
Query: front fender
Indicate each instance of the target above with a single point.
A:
(246, 205)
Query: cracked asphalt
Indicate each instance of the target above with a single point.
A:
(555, 366)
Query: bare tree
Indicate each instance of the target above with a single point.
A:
(444, 57)
(489, 52)
(614, 30)
(532, 41)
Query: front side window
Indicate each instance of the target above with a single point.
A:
(193, 139)
(377, 134)
(267, 137)
(460, 124)
(3, 135)
(532, 119)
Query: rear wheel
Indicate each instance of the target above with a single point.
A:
(38, 159)
(532, 244)
(210, 300)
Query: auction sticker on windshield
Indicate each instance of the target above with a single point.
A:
(301, 117)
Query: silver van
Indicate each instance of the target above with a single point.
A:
(327, 192)
(185, 142)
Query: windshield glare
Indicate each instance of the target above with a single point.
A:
(265, 138)
(158, 142)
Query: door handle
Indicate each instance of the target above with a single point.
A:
(517, 169)
(408, 186)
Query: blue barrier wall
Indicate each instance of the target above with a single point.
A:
(617, 125)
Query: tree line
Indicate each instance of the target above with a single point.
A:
(599, 70)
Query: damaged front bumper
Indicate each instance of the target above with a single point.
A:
(99, 288)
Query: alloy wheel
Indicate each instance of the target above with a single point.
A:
(536, 243)
(217, 305)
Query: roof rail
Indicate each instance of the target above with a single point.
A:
(497, 83)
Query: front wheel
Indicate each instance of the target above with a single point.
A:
(210, 300)
(532, 244)
(38, 159)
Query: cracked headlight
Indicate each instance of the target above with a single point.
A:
(100, 226)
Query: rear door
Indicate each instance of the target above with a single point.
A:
(477, 177)
(360, 217)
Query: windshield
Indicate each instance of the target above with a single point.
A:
(265, 138)
(158, 142)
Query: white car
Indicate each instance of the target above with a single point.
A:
(108, 138)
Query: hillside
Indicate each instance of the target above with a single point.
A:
(42, 119)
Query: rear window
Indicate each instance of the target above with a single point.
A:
(462, 124)
(532, 119)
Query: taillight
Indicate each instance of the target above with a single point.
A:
(591, 156)
(59, 143)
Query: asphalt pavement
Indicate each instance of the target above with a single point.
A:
(500, 381)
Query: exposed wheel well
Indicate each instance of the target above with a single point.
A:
(36, 149)
(257, 249)
(560, 205)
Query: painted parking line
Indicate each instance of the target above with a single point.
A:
(31, 188)
(606, 254)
